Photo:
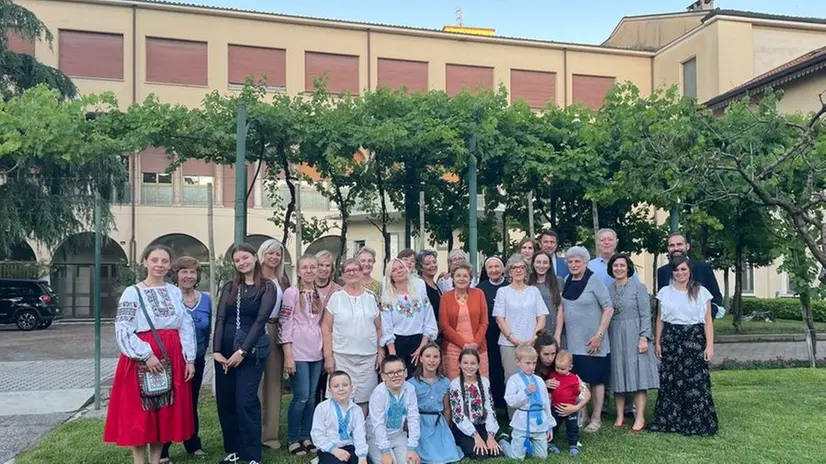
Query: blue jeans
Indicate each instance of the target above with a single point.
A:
(300, 415)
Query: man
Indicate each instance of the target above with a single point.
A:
(701, 272)
(548, 242)
(607, 247)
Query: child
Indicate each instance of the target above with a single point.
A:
(436, 444)
(338, 425)
(565, 393)
(471, 406)
(532, 420)
(393, 403)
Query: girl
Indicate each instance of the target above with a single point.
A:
(548, 284)
(301, 340)
(471, 406)
(436, 444)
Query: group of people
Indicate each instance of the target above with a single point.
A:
(413, 368)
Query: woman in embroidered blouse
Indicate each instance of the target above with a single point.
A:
(134, 421)
(186, 274)
(325, 286)
(271, 257)
(351, 329)
(471, 405)
(463, 321)
(246, 304)
(301, 340)
(367, 260)
(407, 319)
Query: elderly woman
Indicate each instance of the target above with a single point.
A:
(520, 313)
(496, 279)
(367, 259)
(455, 257)
(548, 284)
(463, 321)
(633, 367)
(271, 257)
(588, 310)
(351, 329)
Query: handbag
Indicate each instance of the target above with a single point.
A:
(155, 387)
(262, 347)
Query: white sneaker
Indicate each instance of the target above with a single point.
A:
(231, 458)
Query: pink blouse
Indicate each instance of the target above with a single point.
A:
(301, 328)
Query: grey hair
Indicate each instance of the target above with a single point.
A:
(422, 255)
(602, 231)
(457, 251)
(578, 251)
(269, 246)
(368, 250)
(324, 254)
(515, 258)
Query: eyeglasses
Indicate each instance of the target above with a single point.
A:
(519, 268)
(352, 271)
(397, 373)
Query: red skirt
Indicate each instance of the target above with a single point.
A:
(127, 424)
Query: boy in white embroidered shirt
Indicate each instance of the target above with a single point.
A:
(338, 425)
(393, 403)
(532, 421)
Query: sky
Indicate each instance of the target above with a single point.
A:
(578, 21)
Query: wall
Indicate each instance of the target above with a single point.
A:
(774, 46)
(652, 32)
(702, 44)
(801, 95)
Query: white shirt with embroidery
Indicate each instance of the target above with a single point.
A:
(471, 399)
(325, 431)
(517, 396)
(408, 315)
(389, 413)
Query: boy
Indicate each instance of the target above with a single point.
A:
(393, 403)
(338, 425)
(566, 393)
(532, 421)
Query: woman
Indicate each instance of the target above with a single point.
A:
(271, 257)
(428, 265)
(543, 278)
(407, 319)
(463, 321)
(351, 330)
(325, 286)
(519, 312)
(151, 314)
(240, 348)
(588, 309)
(301, 340)
(633, 367)
(186, 274)
(496, 279)
(684, 342)
(367, 260)
(527, 248)
(455, 257)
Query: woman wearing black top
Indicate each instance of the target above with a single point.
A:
(245, 305)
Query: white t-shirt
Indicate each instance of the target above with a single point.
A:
(520, 310)
(678, 309)
(354, 323)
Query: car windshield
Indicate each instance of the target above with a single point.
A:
(47, 288)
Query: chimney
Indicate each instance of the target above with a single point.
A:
(701, 5)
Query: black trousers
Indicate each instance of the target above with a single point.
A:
(329, 458)
(571, 427)
(239, 408)
(193, 444)
(405, 346)
(466, 443)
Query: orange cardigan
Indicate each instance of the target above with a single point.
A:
(449, 316)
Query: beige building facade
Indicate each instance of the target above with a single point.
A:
(179, 53)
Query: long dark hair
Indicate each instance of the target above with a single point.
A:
(550, 277)
(239, 280)
(544, 339)
(440, 371)
(479, 386)
(693, 286)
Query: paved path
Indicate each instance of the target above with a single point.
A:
(764, 351)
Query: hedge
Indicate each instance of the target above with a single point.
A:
(784, 308)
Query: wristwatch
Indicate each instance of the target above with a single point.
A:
(243, 352)
(600, 334)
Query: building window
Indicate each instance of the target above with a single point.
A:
(748, 280)
(311, 199)
(690, 78)
(91, 54)
(170, 61)
(358, 245)
(195, 189)
(156, 188)
(268, 64)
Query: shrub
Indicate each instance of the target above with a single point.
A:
(784, 308)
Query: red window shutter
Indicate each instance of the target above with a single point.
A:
(269, 64)
(171, 61)
(228, 178)
(154, 160)
(196, 167)
(394, 73)
(537, 88)
(91, 54)
(18, 44)
(342, 71)
(473, 78)
(590, 91)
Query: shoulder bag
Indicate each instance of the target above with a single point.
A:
(155, 387)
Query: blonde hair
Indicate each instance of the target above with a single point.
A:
(269, 246)
(316, 299)
(564, 356)
(525, 351)
(368, 250)
(389, 295)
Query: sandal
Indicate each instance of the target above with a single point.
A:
(593, 427)
(638, 430)
(165, 461)
(297, 449)
(309, 446)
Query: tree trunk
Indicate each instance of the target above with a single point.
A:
(553, 211)
(655, 284)
(504, 234)
(737, 303)
(345, 219)
(811, 335)
(595, 217)
(384, 234)
(285, 165)
(726, 288)
(450, 242)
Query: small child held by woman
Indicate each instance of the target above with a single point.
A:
(338, 425)
(471, 405)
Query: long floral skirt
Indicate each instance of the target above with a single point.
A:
(684, 404)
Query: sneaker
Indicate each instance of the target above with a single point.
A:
(553, 449)
(231, 458)
(254, 462)
(573, 451)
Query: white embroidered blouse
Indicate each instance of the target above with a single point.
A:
(327, 432)
(471, 398)
(388, 414)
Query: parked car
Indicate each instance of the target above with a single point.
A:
(30, 304)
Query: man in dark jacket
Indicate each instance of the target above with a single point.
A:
(702, 272)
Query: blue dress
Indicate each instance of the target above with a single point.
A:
(436, 444)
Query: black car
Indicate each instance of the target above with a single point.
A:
(30, 304)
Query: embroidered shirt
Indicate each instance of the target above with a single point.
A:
(389, 413)
(518, 397)
(475, 407)
(327, 433)
(408, 315)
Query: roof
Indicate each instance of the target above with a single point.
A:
(625, 19)
(801, 66)
(757, 15)
(218, 10)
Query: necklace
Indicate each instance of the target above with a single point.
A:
(462, 299)
(325, 285)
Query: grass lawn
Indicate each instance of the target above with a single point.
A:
(779, 326)
(770, 416)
